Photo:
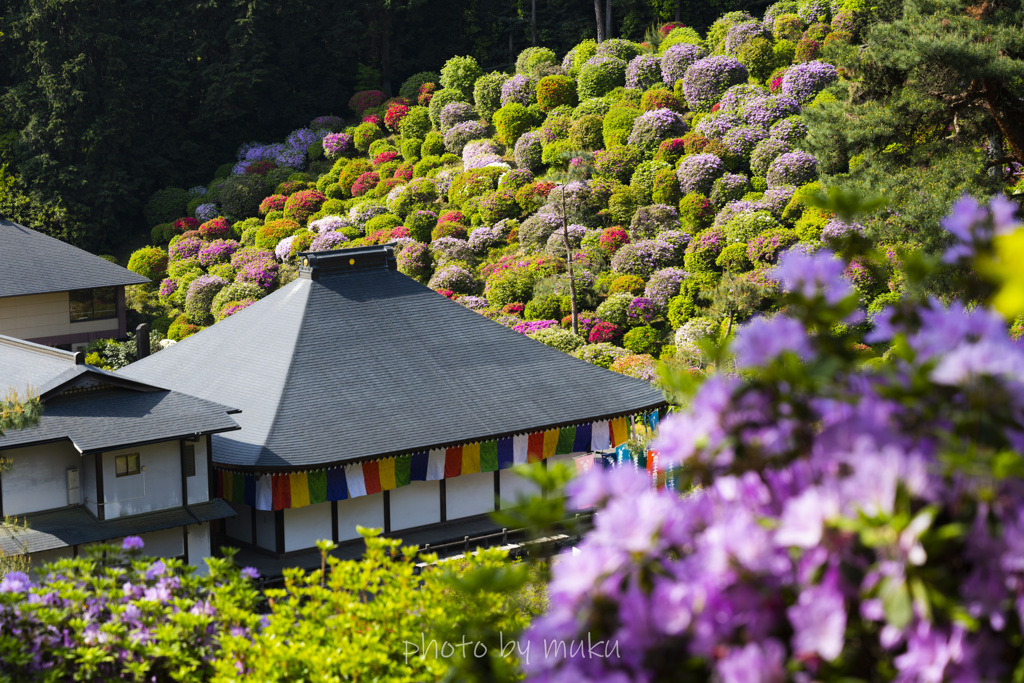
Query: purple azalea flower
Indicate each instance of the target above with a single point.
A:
(131, 543)
(763, 339)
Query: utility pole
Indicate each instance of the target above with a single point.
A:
(568, 260)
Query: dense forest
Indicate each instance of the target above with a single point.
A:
(105, 101)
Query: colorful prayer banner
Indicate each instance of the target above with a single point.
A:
(620, 431)
(566, 439)
(299, 483)
(435, 464)
(282, 496)
(317, 486)
(600, 436)
(535, 447)
(264, 493)
(520, 449)
(452, 462)
(581, 438)
(337, 484)
(506, 454)
(386, 470)
(471, 458)
(298, 489)
(489, 456)
(403, 470)
(355, 480)
(418, 466)
(371, 477)
(550, 442)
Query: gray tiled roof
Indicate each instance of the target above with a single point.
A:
(75, 525)
(366, 362)
(95, 409)
(34, 263)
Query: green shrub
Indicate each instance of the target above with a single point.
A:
(557, 154)
(628, 284)
(498, 205)
(764, 249)
(613, 309)
(166, 205)
(596, 80)
(352, 170)
(411, 148)
(415, 124)
(556, 91)
(783, 53)
(746, 226)
(643, 339)
(547, 308)
(642, 182)
(580, 55)
(460, 74)
(734, 259)
(510, 122)
(241, 196)
(666, 188)
(365, 134)
(696, 212)
(420, 224)
(433, 144)
(617, 163)
(410, 86)
(563, 340)
(440, 100)
(181, 328)
(487, 93)
(384, 221)
(758, 55)
(586, 133)
(618, 124)
(473, 183)
(533, 61)
(811, 223)
(677, 36)
(303, 204)
(272, 232)
(149, 262)
(623, 204)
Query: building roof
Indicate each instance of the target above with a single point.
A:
(34, 263)
(64, 527)
(354, 360)
(98, 410)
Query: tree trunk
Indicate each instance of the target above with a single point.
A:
(1008, 115)
(600, 21)
(533, 21)
(608, 19)
(679, 10)
(568, 261)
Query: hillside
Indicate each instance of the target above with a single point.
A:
(676, 172)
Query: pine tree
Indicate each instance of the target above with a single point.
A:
(928, 90)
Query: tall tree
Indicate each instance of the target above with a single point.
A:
(934, 80)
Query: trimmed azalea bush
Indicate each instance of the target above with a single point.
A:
(651, 127)
(303, 204)
(600, 75)
(792, 168)
(803, 81)
(563, 340)
(698, 172)
(487, 93)
(556, 91)
(602, 354)
(706, 80)
(149, 262)
(199, 297)
(460, 74)
(643, 72)
(643, 340)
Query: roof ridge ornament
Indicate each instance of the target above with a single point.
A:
(315, 264)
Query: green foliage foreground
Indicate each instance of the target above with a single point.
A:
(116, 615)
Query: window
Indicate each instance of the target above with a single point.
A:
(188, 455)
(93, 304)
(125, 465)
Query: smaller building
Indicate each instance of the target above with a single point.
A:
(110, 457)
(55, 294)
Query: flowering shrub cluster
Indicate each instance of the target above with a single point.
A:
(848, 521)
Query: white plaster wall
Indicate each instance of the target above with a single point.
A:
(38, 560)
(199, 485)
(470, 494)
(88, 480)
(199, 547)
(165, 543)
(304, 526)
(240, 526)
(365, 511)
(512, 485)
(45, 315)
(266, 535)
(37, 480)
(414, 505)
(156, 487)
